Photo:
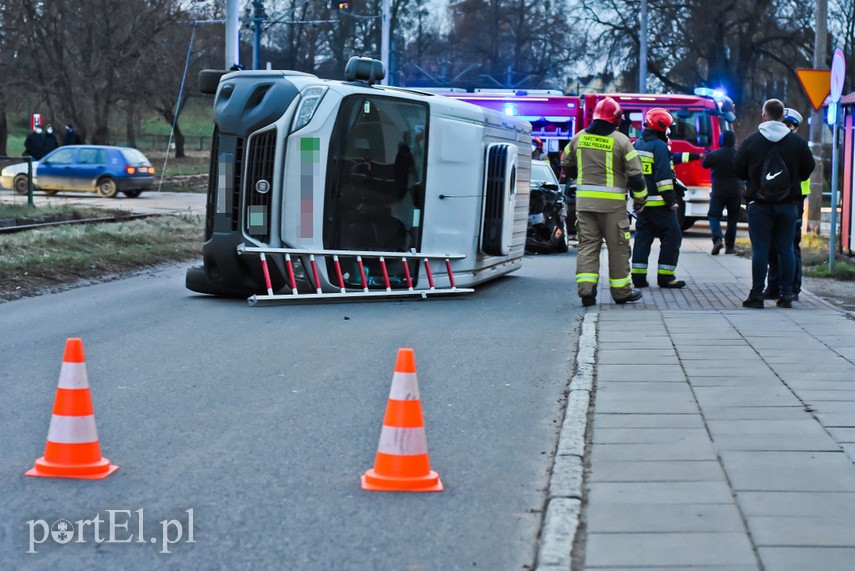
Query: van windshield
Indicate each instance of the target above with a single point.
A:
(376, 176)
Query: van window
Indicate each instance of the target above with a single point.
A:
(376, 176)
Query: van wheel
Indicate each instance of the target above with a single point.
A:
(106, 187)
(22, 184)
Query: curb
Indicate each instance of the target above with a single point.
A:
(564, 499)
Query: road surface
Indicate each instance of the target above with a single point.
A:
(261, 420)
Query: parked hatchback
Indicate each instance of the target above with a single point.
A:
(85, 168)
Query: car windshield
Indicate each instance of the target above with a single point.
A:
(134, 157)
(60, 157)
(542, 173)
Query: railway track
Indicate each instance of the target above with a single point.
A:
(96, 220)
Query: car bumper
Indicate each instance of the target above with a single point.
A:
(135, 183)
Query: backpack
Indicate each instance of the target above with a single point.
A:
(775, 181)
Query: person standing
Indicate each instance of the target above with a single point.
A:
(659, 217)
(604, 163)
(50, 141)
(71, 136)
(773, 161)
(792, 119)
(726, 193)
(34, 144)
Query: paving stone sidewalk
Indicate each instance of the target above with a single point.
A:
(721, 437)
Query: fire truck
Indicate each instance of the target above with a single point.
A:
(699, 120)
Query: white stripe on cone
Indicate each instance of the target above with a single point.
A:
(403, 441)
(73, 376)
(72, 429)
(405, 386)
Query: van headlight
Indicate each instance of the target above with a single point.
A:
(311, 98)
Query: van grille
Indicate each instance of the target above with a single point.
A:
(259, 180)
(237, 186)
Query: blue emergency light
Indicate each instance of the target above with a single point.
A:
(716, 94)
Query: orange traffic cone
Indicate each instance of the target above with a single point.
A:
(72, 449)
(402, 463)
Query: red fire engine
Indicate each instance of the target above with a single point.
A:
(699, 120)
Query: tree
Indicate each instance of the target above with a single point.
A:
(749, 47)
(84, 66)
(512, 43)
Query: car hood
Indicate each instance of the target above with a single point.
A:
(17, 168)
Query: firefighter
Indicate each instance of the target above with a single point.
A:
(659, 217)
(603, 162)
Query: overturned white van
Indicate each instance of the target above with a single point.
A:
(323, 189)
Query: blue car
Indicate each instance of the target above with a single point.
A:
(87, 168)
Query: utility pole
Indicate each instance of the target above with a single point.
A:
(232, 34)
(817, 179)
(384, 40)
(642, 52)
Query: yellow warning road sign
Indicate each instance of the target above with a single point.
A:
(817, 85)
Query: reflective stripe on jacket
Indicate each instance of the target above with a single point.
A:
(604, 165)
(658, 171)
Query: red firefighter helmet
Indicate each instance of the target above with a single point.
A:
(608, 110)
(658, 119)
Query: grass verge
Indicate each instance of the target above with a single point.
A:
(56, 258)
(814, 258)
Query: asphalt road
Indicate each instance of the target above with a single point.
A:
(261, 420)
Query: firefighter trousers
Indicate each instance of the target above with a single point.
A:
(656, 222)
(591, 229)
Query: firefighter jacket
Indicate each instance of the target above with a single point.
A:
(658, 170)
(605, 164)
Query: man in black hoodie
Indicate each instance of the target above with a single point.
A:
(770, 221)
(726, 193)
